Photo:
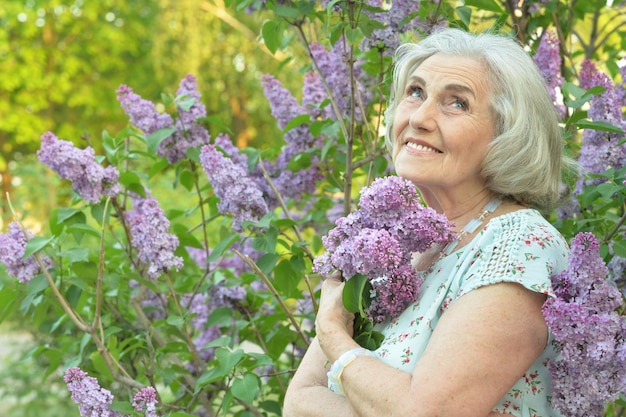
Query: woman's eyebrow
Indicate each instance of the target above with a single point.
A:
(457, 88)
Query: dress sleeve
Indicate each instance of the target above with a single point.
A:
(521, 248)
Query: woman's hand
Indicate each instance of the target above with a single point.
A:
(334, 324)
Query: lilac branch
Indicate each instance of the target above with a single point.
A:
(272, 289)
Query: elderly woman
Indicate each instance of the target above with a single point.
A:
(471, 123)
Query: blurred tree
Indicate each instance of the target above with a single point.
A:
(62, 62)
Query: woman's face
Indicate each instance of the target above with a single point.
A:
(442, 126)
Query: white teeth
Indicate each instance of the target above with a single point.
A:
(422, 148)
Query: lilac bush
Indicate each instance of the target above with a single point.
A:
(591, 334)
(600, 149)
(218, 313)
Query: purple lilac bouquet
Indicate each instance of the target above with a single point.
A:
(378, 240)
(589, 331)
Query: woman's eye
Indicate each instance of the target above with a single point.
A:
(415, 91)
(460, 104)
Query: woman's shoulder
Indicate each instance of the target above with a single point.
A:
(520, 246)
(525, 226)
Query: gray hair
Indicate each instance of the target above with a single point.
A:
(525, 159)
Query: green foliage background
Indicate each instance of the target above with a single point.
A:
(61, 62)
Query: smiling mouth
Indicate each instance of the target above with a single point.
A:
(421, 148)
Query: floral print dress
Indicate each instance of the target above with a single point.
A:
(520, 247)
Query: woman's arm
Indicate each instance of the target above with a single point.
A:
(308, 394)
(481, 346)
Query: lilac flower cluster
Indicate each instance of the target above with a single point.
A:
(95, 401)
(284, 108)
(89, 179)
(591, 334)
(238, 195)
(12, 248)
(149, 235)
(146, 400)
(92, 399)
(601, 150)
(334, 68)
(387, 39)
(143, 113)
(188, 133)
(378, 240)
(548, 60)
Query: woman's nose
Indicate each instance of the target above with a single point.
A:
(423, 116)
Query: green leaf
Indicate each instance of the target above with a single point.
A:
(176, 321)
(228, 359)
(221, 247)
(132, 182)
(272, 35)
(353, 293)
(297, 121)
(76, 254)
(608, 190)
(489, 5)
(365, 335)
(465, 15)
(84, 228)
(285, 11)
(63, 217)
(246, 388)
(122, 407)
(271, 406)
(267, 262)
(619, 248)
(154, 140)
(210, 376)
(65, 213)
(286, 278)
(187, 180)
(267, 242)
(220, 316)
(602, 126)
(86, 272)
(353, 35)
(185, 102)
(37, 285)
(36, 244)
